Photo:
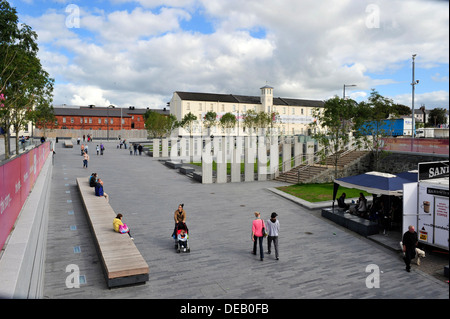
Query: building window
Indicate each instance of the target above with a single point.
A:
(188, 106)
(99, 120)
(64, 120)
(90, 120)
(71, 120)
(112, 121)
(106, 121)
(81, 120)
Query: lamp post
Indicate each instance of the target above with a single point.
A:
(107, 121)
(413, 84)
(347, 86)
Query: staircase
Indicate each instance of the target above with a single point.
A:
(308, 173)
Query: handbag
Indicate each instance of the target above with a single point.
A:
(264, 232)
(123, 229)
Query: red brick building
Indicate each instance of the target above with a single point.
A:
(101, 118)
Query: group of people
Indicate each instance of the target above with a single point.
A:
(384, 209)
(89, 139)
(269, 229)
(97, 183)
(359, 209)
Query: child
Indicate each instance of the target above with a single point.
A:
(182, 239)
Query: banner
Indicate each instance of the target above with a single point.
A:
(17, 178)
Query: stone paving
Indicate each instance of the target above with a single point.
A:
(318, 260)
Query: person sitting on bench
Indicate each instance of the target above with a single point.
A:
(341, 202)
(99, 189)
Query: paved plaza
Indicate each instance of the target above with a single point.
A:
(317, 258)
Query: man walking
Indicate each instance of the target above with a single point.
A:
(273, 228)
(410, 241)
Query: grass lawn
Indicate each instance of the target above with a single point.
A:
(319, 192)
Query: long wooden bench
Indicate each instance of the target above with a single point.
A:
(122, 262)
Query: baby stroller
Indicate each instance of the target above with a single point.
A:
(181, 237)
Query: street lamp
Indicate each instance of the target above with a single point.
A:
(107, 121)
(413, 84)
(347, 86)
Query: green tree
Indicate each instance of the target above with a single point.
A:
(159, 125)
(250, 120)
(187, 122)
(437, 116)
(23, 81)
(210, 120)
(333, 126)
(228, 121)
(370, 123)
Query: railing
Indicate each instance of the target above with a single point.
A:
(316, 160)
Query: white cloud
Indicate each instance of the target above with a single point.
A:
(310, 49)
(431, 100)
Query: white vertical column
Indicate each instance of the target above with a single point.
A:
(207, 162)
(298, 151)
(310, 152)
(156, 147)
(221, 161)
(274, 156)
(174, 149)
(235, 155)
(165, 147)
(262, 158)
(286, 149)
(249, 159)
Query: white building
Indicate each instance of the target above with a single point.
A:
(294, 114)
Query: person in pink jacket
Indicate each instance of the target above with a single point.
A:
(258, 235)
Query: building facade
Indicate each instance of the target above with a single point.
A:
(101, 118)
(294, 114)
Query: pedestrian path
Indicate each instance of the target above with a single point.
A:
(317, 259)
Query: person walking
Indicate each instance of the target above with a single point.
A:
(258, 234)
(410, 241)
(85, 160)
(273, 228)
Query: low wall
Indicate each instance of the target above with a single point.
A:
(96, 134)
(22, 263)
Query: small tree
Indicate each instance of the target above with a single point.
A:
(228, 121)
(210, 120)
(249, 119)
(188, 122)
(436, 117)
(370, 125)
(333, 126)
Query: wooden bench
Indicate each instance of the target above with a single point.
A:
(68, 143)
(122, 262)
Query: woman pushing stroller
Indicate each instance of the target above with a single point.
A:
(179, 217)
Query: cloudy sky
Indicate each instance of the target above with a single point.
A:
(126, 52)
